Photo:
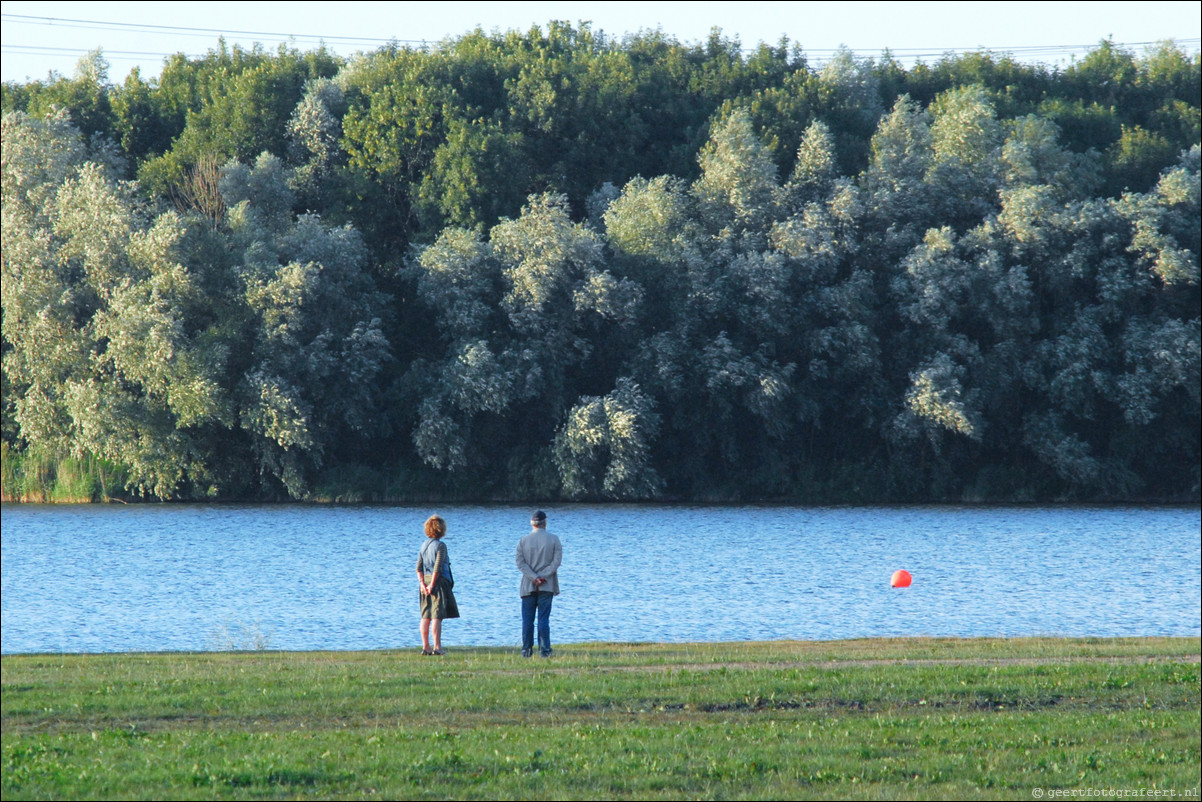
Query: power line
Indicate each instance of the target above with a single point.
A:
(819, 55)
(178, 29)
(119, 55)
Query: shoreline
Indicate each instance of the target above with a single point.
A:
(890, 642)
(1105, 503)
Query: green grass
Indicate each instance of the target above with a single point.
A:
(904, 718)
(40, 477)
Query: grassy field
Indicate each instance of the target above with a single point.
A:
(888, 719)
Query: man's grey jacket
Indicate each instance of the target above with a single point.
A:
(539, 554)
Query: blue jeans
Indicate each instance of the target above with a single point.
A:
(541, 601)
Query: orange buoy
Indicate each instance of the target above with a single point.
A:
(900, 579)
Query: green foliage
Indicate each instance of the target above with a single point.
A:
(462, 134)
(551, 263)
(231, 104)
(124, 377)
(609, 439)
(86, 98)
(738, 183)
(1137, 159)
(315, 320)
(36, 477)
(513, 313)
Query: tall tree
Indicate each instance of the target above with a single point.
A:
(103, 346)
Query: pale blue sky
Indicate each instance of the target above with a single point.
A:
(138, 34)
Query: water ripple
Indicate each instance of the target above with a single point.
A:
(163, 577)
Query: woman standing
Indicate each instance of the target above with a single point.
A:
(437, 601)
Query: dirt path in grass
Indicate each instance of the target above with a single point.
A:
(868, 662)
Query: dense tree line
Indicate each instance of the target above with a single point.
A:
(553, 264)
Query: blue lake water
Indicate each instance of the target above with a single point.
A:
(107, 578)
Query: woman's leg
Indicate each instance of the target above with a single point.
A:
(436, 634)
(425, 634)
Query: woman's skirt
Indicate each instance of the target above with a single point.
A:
(441, 602)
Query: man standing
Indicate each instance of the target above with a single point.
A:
(538, 556)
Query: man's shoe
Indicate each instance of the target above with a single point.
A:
(527, 652)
